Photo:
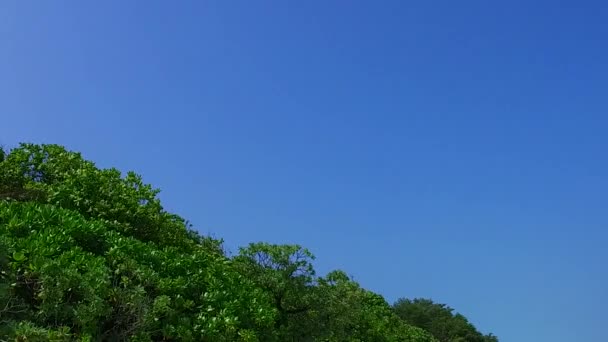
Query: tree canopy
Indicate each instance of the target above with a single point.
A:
(440, 320)
(90, 254)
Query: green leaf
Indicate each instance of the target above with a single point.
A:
(18, 256)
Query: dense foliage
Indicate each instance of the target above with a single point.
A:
(439, 320)
(89, 254)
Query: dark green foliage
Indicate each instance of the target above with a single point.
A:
(348, 312)
(286, 275)
(89, 254)
(439, 320)
(333, 308)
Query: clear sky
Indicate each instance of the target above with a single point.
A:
(446, 149)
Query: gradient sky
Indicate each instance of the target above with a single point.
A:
(446, 149)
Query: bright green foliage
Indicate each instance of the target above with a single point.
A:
(68, 272)
(89, 254)
(50, 174)
(26, 331)
(439, 320)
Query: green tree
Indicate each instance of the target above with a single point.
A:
(440, 320)
(332, 308)
(89, 254)
(351, 313)
(286, 274)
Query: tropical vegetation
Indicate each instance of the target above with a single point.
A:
(90, 254)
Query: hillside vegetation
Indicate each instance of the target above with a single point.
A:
(90, 254)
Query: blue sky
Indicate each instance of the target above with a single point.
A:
(442, 149)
